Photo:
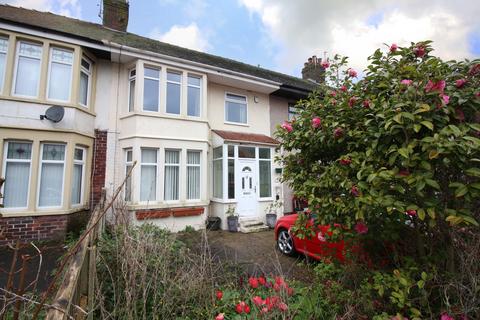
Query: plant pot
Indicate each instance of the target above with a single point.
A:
(271, 220)
(232, 222)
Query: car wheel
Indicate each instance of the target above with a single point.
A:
(285, 243)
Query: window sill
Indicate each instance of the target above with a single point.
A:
(48, 102)
(6, 213)
(236, 124)
(156, 114)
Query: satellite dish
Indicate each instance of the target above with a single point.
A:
(54, 114)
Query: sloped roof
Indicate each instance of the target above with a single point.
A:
(95, 33)
(246, 137)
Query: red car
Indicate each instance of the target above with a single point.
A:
(316, 247)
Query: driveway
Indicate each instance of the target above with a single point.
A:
(257, 254)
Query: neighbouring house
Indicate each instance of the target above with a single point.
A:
(198, 125)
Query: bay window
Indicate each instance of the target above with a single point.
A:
(27, 69)
(51, 175)
(60, 74)
(151, 89)
(148, 175)
(17, 174)
(231, 172)
(172, 173)
(193, 96)
(218, 172)
(235, 108)
(131, 89)
(174, 84)
(3, 60)
(78, 179)
(265, 174)
(128, 167)
(193, 175)
(85, 81)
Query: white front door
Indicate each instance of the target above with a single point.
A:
(246, 185)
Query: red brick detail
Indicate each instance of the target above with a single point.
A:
(32, 228)
(165, 213)
(99, 162)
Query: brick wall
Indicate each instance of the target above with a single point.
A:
(98, 166)
(32, 228)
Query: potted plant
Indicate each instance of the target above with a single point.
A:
(232, 219)
(271, 213)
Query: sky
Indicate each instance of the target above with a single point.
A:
(281, 34)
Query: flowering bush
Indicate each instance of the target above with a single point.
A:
(259, 298)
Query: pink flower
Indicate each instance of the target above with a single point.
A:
(393, 47)
(459, 114)
(258, 301)
(477, 94)
(345, 161)
(406, 82)
(352, 73)
(445, 98)
(354, 191)
(460, 83)
(352, 101)
(276, 287)
(338, 132)
(446, 316)
(419, 51)
(282, 306)
(366, 103)
(361, 228)
(262, 280)
(220, 316)
(474, 70)
(411, 212)
(333, 93)
(219, 295)
(253, 282)
(264, 310)
(438, 86)
(316, 122)
(321, 238)
(287, 126)
(290, 291)
(343, 88)
(242, 307)
(325, 64)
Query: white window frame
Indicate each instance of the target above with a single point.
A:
(89, 77)
(238, 102)
(159, 80)
(82, 184)
(127, 164)
(4, 171)
(15, 71)
(292, 114)
(199, 87)
(50, 61)
(131, 108)
(165, 165)
(260, 198)
(40, 168)
(221, 160)
(149, 164)
(180, 73)
(2, 76)
(199, 165)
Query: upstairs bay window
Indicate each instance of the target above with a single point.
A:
(3, 60)
(51, 175)
(27, 69)
(85, 81)
(17, 174)
(174, 84)
(132, 74)
(151, 89)
(193, 97)
(60, 74)
(235, 108)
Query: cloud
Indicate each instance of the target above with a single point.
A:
(70, 8)
(185, 36)
(356, 28)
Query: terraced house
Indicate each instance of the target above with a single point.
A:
(80, 102)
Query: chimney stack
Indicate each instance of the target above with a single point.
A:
(115, 14)
(313, 70)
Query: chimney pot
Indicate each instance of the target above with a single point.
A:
(115, 14)
(312, 70)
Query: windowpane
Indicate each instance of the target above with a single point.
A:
(246, 152)
(17, 174)
(172, 159)
(231, 151)
(129, 155)
(149, 155)
(231, 179)
(53, 152)
(51, 181)
(217, 179)
(194, 81)
(152, 73)
(77, 183)
(84, 79)
(86, 64)
(235, 97)
(173, 98)
(78, 154)
(148, 185)
(193, 157)
(128, 184)
(265, 179)
(28, 76)
(3, 56)
(217, 152)
(131, 95)
(264, 153)
(236, 112)
(19, 150)
(193, 174)
(193, 101)
(60, 74)
(175, 77)
(150, 94)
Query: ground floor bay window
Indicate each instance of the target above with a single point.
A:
(242, 174)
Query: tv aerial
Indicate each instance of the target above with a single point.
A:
(54, 114)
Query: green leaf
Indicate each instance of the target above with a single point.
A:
(424, 276)
(432, 183)
(421, 214)
(470, 220)
(427, 124)
(474, 172)
(431, 212)
(408, 115)
(403, 152)
(417, 127)
(433, 154)
(461, 191)
(398, 118)
(423, 108)
(421, 284)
